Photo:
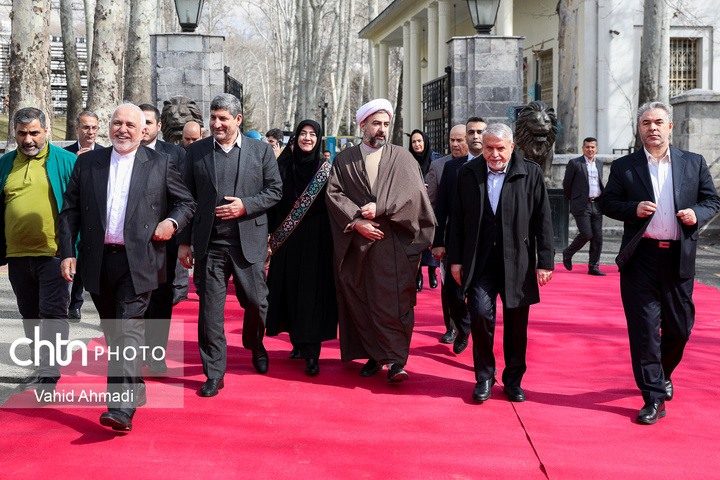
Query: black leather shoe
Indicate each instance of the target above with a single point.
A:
(74, 315)
(433, 278)
(158, 366)
(514, 393)
(117, 420)
(294, 354)
(482, 390)
(260, 360)
(419, 281)
(397, 374)
(567, 261)
(461, 343)
(211, 386)
(668, 390)
(46, 388)
(650, 413)
(449, 336)
(311, 367)
(370, 369)
(596, 272)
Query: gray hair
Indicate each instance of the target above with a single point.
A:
(86, 113)
(227, 101)
(654, 106)
(135, 107)
(27, 115)
(499, 130)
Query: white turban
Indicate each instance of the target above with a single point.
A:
(373, 106)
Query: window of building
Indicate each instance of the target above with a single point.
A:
(683, 65)
(546, 76)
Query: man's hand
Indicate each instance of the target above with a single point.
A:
(83, 150)
(687, 216)
(645, 209)
(438, 252)
(164, 231)
(185, 255)
(231, 210)
(67, 268)
(369, 210)
(457, 272)
(369, 230)
(543, 276)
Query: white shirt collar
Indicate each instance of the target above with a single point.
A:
(238, 142)
(654, 160)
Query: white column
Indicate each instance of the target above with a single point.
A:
(377, 88)
(444, 17)
(384, 54)
(432, 44)
(406, 83)
(504, 23)
(416, 55)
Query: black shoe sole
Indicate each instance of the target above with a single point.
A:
(115, 425)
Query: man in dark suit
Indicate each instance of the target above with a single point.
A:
(583, 186)
(664, 196)
(125, 202)
(234, 179)
(452, 295)
(86, 128)
(501, 218)
(159, 311)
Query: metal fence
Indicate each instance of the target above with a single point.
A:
(436, 113)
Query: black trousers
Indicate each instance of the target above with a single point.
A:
(212, 274)
(482, 305)
(121, 313)
(455, 312)
(589, 230)
(159, 311)
(660, 314)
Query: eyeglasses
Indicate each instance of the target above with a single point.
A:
(89, 128)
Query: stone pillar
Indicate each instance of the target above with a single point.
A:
(504, 23)
(376, 88)
(444, 18)
(187, 64)
(432, 43)
(407, 120)
(384, 77)
(486, 77)
(696, 126)
(415, 93)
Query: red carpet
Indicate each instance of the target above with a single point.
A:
(578, 422)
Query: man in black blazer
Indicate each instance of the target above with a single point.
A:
(86, 128)
(583, 186)
(664, 196)
(234, 179)
(125, 202)
(159, 311)
(501, 218)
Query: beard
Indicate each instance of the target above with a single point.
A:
(375, 142)
(125, 145)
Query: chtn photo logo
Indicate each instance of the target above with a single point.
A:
(57, 348)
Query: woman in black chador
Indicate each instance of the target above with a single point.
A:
(302, 287)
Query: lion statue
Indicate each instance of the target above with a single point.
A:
(176, 113)
(535, 132)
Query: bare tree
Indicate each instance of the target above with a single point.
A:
(89, 6)
(340, 89)
(651, 49)
(137, 55)
(29, 59)
(105, 73)
(72, 69)
(568, 76)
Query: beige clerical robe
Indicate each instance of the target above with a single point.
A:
(375, 280)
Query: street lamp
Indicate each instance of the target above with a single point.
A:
(188, 12)
(323, 105)
(483, 14)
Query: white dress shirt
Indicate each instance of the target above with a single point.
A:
(238, 142)
(593, 178)
(663, 224)
(495, 182)
(121, 167)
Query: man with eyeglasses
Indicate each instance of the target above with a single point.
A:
(86, 127)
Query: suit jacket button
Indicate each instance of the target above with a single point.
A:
(146, 226)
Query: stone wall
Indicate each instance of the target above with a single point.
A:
(486, 77)
(187, 64)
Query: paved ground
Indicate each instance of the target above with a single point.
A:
(708, 273)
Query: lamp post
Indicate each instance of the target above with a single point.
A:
(483, 14)
(323, 110)
(538, 88)
(188, 12)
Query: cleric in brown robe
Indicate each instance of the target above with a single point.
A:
(381, 221)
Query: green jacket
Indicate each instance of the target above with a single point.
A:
(60, 164)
